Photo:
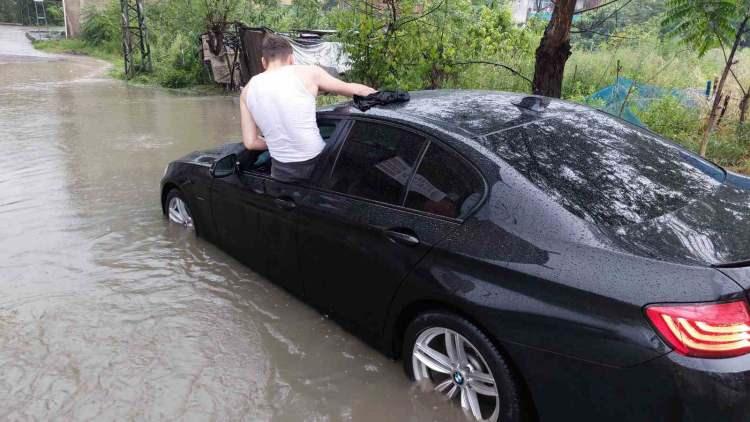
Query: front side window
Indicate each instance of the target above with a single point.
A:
(376, 162)
(260, 161)
(444, 185)
(327, 128)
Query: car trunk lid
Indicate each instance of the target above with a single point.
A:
(739, 272)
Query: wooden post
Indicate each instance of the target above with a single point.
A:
(619, 69)
(716, 83)
(720, 86)
(744, 105)
(724, 109)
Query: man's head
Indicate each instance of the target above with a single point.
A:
(276, 51)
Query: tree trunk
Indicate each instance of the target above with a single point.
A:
(720, 87)
(554, 51)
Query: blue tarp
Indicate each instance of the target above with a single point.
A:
(546, 16)
(640, 97)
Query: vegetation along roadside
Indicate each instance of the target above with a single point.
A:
(653, 58)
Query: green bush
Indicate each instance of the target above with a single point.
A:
(743, 134)
(101, 27)
(55, 13)
(177, 63)
(434, 44)
(668, 117)
(175, 78)
(727, 151)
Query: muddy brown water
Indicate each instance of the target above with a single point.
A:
(108, 312)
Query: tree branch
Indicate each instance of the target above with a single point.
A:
(721, 44)
(602, 34)
(416, 18)
(506, 67)
(595, 7)
(601, 21)
(736, 79)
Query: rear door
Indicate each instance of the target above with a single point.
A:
(357, 239)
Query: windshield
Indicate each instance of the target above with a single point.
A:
(604, 170)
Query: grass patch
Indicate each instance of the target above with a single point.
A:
(81, 48)
(74, 46)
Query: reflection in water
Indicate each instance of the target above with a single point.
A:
(108, 312)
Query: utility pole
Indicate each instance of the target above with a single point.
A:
(134, 38)
(65, 18)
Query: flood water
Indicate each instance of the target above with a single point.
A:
(108, 312)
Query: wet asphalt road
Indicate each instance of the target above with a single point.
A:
(107, 312)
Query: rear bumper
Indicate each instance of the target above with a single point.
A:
(668, 388)
(708, 389)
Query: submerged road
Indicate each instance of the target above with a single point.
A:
(107, 312)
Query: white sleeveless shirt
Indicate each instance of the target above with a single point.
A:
(284, 111)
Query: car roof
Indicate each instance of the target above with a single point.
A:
(470, 113)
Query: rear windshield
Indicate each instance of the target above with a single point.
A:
(604, 170)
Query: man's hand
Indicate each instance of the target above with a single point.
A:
(364, 90)
(330, 84)
(258, 144)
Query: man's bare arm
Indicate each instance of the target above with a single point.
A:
(250, 137)
(328, 83)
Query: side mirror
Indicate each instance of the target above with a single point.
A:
(225, 166)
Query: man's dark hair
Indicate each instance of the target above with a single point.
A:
(275, 47)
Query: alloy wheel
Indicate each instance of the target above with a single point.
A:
(179, 212)
(457, 370)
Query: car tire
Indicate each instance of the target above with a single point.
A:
(461, 381)
(178, 210)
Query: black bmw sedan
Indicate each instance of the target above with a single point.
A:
(527, 258)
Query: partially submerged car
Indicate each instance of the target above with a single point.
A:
(526, 257)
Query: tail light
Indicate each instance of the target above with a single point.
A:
(715, 330)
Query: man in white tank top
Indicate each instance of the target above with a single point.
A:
(280, 104)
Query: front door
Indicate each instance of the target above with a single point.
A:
(277, 217)
(236, 218)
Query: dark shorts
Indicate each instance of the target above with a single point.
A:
(293, 172)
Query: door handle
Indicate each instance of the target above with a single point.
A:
(403, 238)
(285, 204)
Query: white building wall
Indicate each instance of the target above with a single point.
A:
(520, 10)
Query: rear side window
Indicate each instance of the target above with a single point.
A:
(605, 171)
(376, 162)
(444, 185)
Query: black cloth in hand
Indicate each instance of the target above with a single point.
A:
(380, 98)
